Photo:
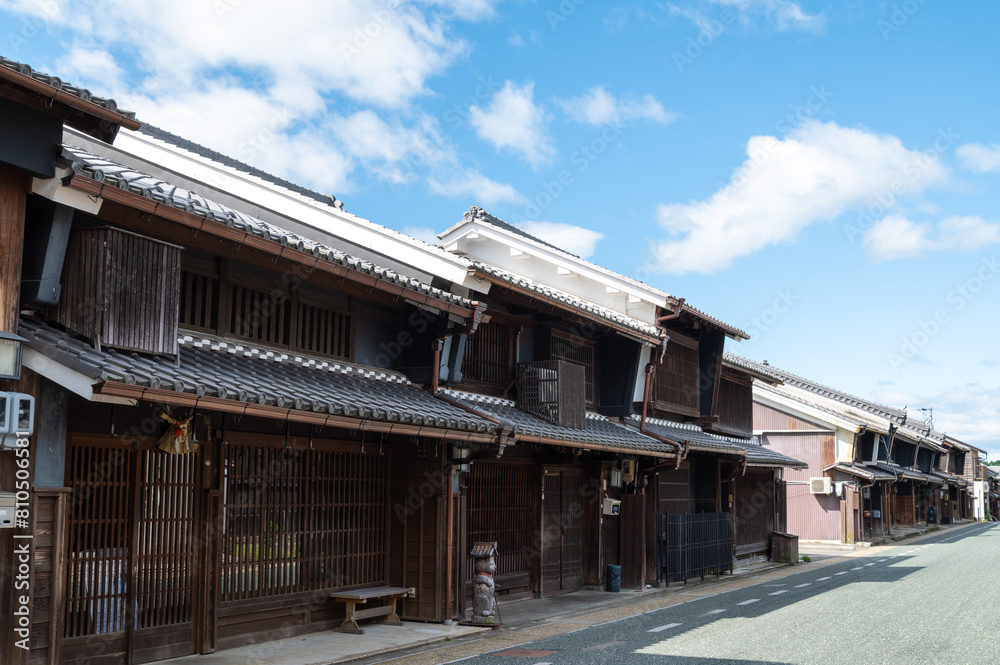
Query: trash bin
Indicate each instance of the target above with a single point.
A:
(614, 579)
(932, 514)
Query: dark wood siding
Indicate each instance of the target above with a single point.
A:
(736, 403)
(675, 386)
(753, 512)
(121, 289)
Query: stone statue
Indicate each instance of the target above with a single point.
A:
(484, 604)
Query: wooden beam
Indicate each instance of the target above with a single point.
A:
(13, 199)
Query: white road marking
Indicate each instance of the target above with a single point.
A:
(843, 572)
(822, 579)
(858, 568)
(778, 593)
(800, 586)
(711, 612)
(749, 602)
(882, 560)
(662, 628)
(869, 564)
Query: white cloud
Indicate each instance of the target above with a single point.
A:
(896, 237)
(424, 233)
(516, 40)
(512, 121)
(599, 107)
(574, 239)
(979, 157)
(814, 174)
(472, 184)
(263, 86)
(781, 14)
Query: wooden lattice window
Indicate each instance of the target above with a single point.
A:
(322, 330)
(199, 307)
(302, 520)
(489, 354)
(578, 351)
(675, 388)
(258, 314)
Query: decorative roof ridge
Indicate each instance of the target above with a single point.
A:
(898, 416)
(55, 82)
(568, 298)
(233, 163)
(88, 164)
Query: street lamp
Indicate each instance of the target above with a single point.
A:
(10, 355)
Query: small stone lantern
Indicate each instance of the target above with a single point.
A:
(484, 603)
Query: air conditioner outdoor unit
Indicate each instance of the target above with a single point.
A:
(820, 485)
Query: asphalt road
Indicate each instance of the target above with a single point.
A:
(936, 601)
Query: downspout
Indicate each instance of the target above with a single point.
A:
(471, 325)
(450, 546)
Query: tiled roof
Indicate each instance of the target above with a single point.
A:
(545, 291)
(191, 146)
(758, 455)
(798, 397)
(127, 178)
(897, 416)
(58, 84)
(691, 435)
(600, 432)
(477, 213)
(753, 368)
(251, 373)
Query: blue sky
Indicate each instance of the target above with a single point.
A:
(823, 175)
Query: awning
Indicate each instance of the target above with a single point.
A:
(866, 472)
(246, 378)
(691, 436)
(599, 433)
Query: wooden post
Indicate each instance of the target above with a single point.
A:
(13, 198)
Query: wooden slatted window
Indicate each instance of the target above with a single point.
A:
(298, 520)
(199, 308)
(489, 354)
(576, 350)
(675, 388)
(322, 330)
(259, 315)
(500, 504)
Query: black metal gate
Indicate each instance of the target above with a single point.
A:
(693, 545)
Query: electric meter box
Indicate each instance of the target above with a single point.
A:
(612, 506)
(17, 416)
(8, 504)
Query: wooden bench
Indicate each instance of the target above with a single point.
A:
(390, 594)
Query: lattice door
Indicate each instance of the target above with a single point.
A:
(562, 531)
(132, 552)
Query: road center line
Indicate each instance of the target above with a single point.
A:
(711, 612)
(843, 572)
(662, 628)
(822, 579)
(800, 586)
(778, 593)
(749, 602)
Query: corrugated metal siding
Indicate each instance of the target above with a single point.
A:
(810, 516)
(816, 450)
(813, 516)
(767, 419)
